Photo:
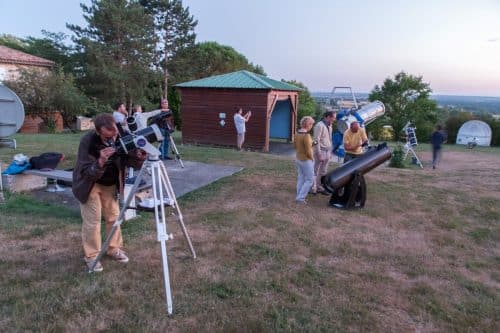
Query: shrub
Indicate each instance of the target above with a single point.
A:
(397, 157)
(43, 92)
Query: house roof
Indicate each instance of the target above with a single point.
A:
(239, 80)
(11, 56)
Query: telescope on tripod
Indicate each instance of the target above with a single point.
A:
(163, 197)
(411, 141)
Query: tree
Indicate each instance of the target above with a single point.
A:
(307, 105)
(208, 59)
(42, 93)
(51, 47)
(117, 49)
(406, 98)
(13, 42)
(175, 26)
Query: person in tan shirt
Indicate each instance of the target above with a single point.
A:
(354, 140)
(304, 159)
(322, 149)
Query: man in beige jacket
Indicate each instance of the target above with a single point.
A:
(322, 149)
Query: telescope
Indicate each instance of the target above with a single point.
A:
(141, 139)
(364, 116)
(347, 184)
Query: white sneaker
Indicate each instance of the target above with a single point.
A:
(119, 256)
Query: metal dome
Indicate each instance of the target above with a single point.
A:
(11, 112)
(474, 131)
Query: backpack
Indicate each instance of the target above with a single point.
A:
(46, 161)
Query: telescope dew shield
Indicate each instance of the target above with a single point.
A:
(132, 124)
(343, 175)
(365, 115)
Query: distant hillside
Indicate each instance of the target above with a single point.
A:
(466, 103)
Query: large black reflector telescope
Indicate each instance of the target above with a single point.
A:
(347, 184)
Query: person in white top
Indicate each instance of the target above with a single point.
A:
(141, 118)
(120, 115)
(322, 149)
(239, 123)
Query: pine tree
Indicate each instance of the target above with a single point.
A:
(117, 50)
(175, 27)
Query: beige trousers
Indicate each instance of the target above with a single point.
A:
(101, 198)
(321, 159)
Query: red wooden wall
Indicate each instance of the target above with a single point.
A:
(201, 107)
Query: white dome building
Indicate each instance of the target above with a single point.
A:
(474, 131)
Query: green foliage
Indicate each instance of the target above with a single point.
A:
(207, 59)
(454, 122)
(13, 42)
(406, 98)
(54, 91)
(307, 105)
(51, 47)
(397, 157)
(175, 27)
(117, 50)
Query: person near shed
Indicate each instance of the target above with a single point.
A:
(141, 118)
(322, 150)
(304, 159)
(97, 177)
(354, 140)
(166, 129)
(239, 123)
(437, 139)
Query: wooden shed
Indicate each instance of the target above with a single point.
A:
(208, 106)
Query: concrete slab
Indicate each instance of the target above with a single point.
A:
(194, 175)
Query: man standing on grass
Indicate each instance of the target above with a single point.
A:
(322, 149)
(239, 123)
(97, 177)
(437, 139)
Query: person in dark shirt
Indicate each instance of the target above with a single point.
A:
(437, 139)
(97, 177)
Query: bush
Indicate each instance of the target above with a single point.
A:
(43, 92)
(397, 157)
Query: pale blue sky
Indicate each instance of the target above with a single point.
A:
(454, 45)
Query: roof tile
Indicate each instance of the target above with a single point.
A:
(11, 56)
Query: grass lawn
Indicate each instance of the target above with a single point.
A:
(423, 255)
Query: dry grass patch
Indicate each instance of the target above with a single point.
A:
(423, 255)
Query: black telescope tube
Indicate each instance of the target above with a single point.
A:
(343, 175)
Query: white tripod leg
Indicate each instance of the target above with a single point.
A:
(171, 195)
(161, 227)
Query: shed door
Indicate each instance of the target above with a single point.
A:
(281, 120)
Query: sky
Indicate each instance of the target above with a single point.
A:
(453, 44)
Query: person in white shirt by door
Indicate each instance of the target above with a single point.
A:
(239, 123)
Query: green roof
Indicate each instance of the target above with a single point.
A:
(239, 80)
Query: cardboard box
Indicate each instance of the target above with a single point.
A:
(84, 123)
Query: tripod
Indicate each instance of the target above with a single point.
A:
(175, 151)
(408, 149)
(411, 141)
(163, 194)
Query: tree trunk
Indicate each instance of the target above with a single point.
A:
(165, 82)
